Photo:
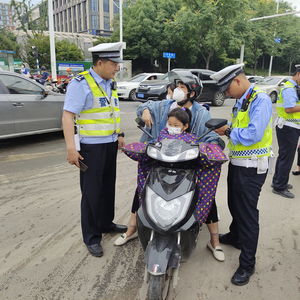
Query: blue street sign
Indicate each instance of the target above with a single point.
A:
(277, 40)
(169, 55)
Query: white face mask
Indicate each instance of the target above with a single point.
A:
(178, 94)
(168, 97)
(174, 130)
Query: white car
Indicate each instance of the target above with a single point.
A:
(272, 85)
(126, 89)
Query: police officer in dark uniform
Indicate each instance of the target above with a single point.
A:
(250, 139)
(287, 126)
(92, 103)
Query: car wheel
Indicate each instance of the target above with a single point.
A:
(132, 95)
(273, 97)
(219, 99)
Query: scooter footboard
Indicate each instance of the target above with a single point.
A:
(162, 253)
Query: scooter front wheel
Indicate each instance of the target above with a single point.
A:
(159, 286)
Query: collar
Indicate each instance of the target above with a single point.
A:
(99, 79)
(293, 82)
(240, 101)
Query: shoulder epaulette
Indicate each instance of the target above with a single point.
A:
(79, 77)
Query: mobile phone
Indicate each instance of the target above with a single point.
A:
(83, 167)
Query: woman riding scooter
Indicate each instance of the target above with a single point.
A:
(155, 114)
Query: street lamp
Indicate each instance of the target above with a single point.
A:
(120, 7)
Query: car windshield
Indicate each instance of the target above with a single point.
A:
(164, 77)
(269, 81)
(138, 78)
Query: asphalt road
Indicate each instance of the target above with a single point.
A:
(43, 257)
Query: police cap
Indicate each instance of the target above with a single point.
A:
(110, 51)
(226, 75)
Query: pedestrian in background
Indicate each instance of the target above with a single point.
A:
(92, 98)
(287, 126)
(250, 139)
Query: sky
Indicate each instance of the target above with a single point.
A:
(294, 3)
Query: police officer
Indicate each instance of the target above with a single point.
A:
(250, 138)
(92, 100)
(287, 131)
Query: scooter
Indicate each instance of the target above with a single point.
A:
(62, 86)
(167, 223)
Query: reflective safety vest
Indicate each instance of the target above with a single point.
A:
(293, 117)
(103, 118)
(259, 149)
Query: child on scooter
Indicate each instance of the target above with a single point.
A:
(178, 127)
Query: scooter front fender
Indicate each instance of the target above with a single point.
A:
(162, 253)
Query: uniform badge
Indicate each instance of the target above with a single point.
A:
(102, 101)
(79, 77)
(116, 102)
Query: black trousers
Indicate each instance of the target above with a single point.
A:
(287, 138)
(98, 190)
(244, 186)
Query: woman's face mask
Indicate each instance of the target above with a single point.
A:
(174, 130)
(178, 95)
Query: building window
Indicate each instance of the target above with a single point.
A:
(70, 30)
(106, 23)
(85, 23)
(94, 5)
(116, 8)
(75, 26)
(106, 6)
(94, 22)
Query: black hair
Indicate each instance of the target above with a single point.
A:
(183, 114)
(297, 71)
(172, 86)
(96, 59)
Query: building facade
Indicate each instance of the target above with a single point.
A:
(6, 16)
(94, 17)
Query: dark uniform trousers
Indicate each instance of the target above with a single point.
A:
(287, 138)
(244, 186)
(98, 190)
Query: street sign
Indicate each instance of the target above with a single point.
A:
(169, 55)
(277, 40)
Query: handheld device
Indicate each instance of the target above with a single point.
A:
(83, 166)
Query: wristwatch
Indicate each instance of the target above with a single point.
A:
(121, 134)
(228, 131)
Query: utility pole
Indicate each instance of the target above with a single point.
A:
(52, 41)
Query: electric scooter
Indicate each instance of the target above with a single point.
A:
(167, 223)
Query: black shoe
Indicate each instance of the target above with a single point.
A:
(95, 249)
(116, 228)
(225, 239)
(289, 186)
(285, 193)
(295, 173)
(242, 275)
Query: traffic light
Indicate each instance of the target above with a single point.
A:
(35, 52)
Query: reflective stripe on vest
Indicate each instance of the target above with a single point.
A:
(103, 118)
(259, 149)
(293, 117)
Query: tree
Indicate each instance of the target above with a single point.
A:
(207, 26)
(24, 15)
(65, 50)
(8, 41)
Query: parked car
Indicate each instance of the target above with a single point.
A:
(254, 78)
(126, 89)
(27, 107)
(157, 89)
(272, 85)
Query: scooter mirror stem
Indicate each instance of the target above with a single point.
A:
(205, 133)
(145, 131)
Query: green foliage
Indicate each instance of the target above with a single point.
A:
(8, 41)
(65, 50)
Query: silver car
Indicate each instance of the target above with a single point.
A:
(272, 85)
(27, 107)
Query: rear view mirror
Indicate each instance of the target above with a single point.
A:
(140, 121)
(215, 123)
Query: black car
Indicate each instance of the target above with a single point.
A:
(157, 89)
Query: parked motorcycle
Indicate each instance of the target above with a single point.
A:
(168, 220)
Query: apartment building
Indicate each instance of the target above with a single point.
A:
(85, 16)
(6, 16)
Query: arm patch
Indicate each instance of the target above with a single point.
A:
(79, 77)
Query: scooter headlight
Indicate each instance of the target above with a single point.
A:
(152, 152)
(167, 213)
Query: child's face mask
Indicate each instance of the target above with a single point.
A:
(174, 130)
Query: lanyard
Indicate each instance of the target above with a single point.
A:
(100, 88)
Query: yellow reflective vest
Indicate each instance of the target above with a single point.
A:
(294, 117)
(103, 118)
(259, 149)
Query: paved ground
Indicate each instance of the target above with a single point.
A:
(42, 255)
